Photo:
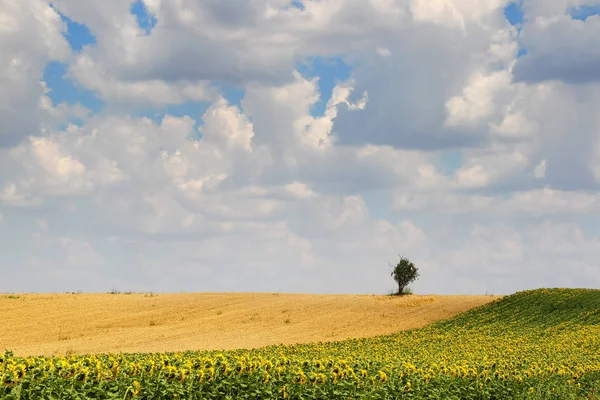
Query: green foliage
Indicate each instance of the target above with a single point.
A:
(542, 344)
(540, 308)
(404, 273)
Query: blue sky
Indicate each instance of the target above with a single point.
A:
(464, 137)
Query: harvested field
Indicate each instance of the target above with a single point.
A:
(56, 324)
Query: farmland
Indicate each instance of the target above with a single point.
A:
(534, 344)
(59, 324)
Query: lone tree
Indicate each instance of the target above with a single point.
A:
(404, 273)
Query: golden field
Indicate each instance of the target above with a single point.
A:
(58, 324)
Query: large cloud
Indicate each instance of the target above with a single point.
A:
(270, 196)
(233, 42)
(30, 37)
(560, 48)
(426, 63)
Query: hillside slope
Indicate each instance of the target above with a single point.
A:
(540, 308)
(49, 324)
(546, 337)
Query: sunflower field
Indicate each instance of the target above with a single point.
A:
(538, 344)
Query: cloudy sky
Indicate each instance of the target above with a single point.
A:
(299, 146)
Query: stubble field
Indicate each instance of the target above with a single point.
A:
(59, 324)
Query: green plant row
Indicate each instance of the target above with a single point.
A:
(251, 387)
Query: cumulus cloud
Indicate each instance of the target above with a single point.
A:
(150, 92)
(258, 42)
(49, 167)
(268, 194)
(30, 37)
(560, 48)
(454, 75)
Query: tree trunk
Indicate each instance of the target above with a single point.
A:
(400, 289)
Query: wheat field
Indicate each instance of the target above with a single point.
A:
(58, 324)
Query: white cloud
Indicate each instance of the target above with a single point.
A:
(258, 42)
(452, 13)
(454, 77)
(514, 125)
(226, 126)
(151, 92)
(476, 103)
(299, 190)
(30, 36)
(559, 47)
(269, 195)
(484, 167)
(530, 203)
(552, 202)
(12, 195)
(49, 167)
(539, 171)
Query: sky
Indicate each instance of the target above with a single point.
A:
(299, 146)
